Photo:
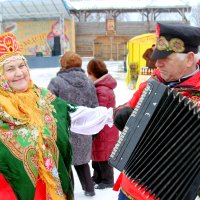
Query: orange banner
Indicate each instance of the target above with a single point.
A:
(38, 36)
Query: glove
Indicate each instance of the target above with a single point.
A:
(121, 117)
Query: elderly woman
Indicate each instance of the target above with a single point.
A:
(35, 156)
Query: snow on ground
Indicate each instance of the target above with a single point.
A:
(42, 76)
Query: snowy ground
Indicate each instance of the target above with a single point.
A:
(42, 76)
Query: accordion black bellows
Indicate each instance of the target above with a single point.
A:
(160, 145)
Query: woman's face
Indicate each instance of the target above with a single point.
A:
(56, 30)
(17, 74)
(91, 76)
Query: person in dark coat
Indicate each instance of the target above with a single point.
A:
(73, 85)
(150, 63)
(105, 140)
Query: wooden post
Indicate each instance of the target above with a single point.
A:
(111, 47)
(93, 51)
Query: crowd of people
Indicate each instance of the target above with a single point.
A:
(44, 132)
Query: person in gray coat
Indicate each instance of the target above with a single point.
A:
(73, 85)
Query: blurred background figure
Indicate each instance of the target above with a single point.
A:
(105, 140)
(132, 75)
(72, 85)
(149, 62)
(56, 35)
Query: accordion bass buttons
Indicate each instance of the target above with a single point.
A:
(147, 114)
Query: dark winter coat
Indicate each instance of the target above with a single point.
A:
(74, 86)
(105, 140)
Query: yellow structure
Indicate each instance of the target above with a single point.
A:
(38, 35)
(136, 48)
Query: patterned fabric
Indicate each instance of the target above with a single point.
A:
(29, 149)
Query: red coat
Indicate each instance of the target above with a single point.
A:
(6, 192)
(186, 88)
(106, 139)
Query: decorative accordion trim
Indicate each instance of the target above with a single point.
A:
(134, 191)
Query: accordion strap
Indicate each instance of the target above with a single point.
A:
(138, 192)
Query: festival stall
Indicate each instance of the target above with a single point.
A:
(136, 69)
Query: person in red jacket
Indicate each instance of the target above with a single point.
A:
(177, 62)
(105, 140)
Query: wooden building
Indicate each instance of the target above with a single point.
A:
(108, 39)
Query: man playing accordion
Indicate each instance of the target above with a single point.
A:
(177, 57)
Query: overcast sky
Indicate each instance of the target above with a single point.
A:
(159, 2)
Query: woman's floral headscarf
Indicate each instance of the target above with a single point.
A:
(24, 114)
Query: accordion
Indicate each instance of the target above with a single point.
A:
(159, 147)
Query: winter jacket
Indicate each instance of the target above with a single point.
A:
(105, 140)
(74, 86)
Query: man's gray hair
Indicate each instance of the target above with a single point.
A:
(182, 56)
